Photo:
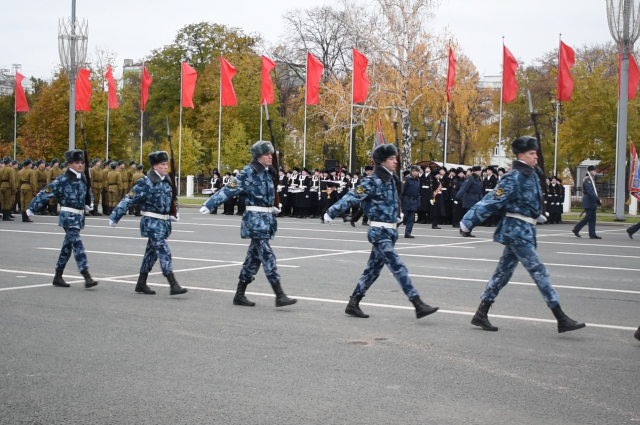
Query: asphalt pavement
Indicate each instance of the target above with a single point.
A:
(110, 356)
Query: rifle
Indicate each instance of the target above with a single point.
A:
(541, 176)
(398, 180)
(172, 177)
(276, 177)
(87, 170)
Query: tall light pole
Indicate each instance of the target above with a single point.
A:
(623, 17)
(72, 48)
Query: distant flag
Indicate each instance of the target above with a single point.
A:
(266, 87)
(360, 81)
(228, 94)
(634, 76)
(189, 77)
(113, 95)
(451, 73)
(83, 90)
(509, 82)
(314, 74)
(21, 99)
(144, 89)
(634, 178)
(379, 137)
(566, 60)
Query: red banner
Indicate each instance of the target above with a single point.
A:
(451, 74)
(360, 80)
(227, 93)
(509, 81)
(83, 90)
(21, 99)
(565, 80)
(314, 74)
(113, 95)
(189, 77)
(634, 175)
(634, 76)
(144, 88)
(266, 87)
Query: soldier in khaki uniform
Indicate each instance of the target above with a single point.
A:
(41, 182)
(96, 186)
(130, 182)
(7, 189)
(27, 179)
(53, 173)
(134, 179)
(114, 180)
(16, 198)
(106, 168)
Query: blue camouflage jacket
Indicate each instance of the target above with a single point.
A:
(518, 192)
(70, 191)
(378, 194)
(153, 194)
(254, 185)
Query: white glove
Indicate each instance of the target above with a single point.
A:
(279, 206)
(541, 219)
(204, 210)
(464, 228)
(275, 210)
(400, 219)
(176, 218)
(327, 219)
(112, 223)
(455, 202)
(432, 202)
(30, 213)
(88, 208)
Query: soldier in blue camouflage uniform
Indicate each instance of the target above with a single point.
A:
(153, 193)
(254, 186)
(519, 197)
(378, 197)
(70, 190)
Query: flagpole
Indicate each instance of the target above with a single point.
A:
(220, 118)
(180, 131)
(107, 126)
(500, 119)
(306, 98)
(446, 133)
(353, 56)
(615, 181)
(261, 119)
(141, 113)
(555, 148)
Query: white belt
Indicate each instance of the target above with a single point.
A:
(425, 187)
(444, 188)
(382, 224)
(522, 217)
(72, 210)
(260, 209)
(154, 215)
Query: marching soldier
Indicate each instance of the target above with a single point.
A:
(410, 199)
(41, 182)
(255, 185)
(28, 184)
(130, 182)
(70, 191)
(7, 189)
(153, 194)
(114, 181)
(97, 186)
(106, 169)
(590, 201)
(16, 199)
(378, 196)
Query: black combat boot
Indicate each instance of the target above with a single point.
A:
(25, 218)
(637, 334)
(422, 309)
(239, 298)
(481, 319)
(565, 324)
(54, 210)
(141, 285)
(281, 299)
(59, 281)
(96, 212)
(353, 308)
(88, 281)
(175, 288)
(6, 216)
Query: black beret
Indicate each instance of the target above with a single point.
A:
(14, 162)
(368, 168)
(490, 168)
(460, 170)
(132, 162)
(75, 155)
(306, 170)
(140, 167)
(502, 169)
(524, 144)
(384, 152)
(112, 165)
(158, 157)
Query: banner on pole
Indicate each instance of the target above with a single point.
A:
(379, 139)
(113, 95)
(314, 74)
(21, 98)
(509, 81)
(144, 89)
(451, 73)
(565, 80)
(228, 94)
(189, 77)
(266, 87)
(83, 90)
(634, 175)
(360, 80)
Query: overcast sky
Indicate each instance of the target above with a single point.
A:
(132, 28)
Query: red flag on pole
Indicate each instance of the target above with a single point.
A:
(360, 80)
(267, 85)
(83, 90)
(189, 77)
(227, 93)
(565, 80)
(509, 82)
(144, 89)
(451, 74)
(314, 73)
(634, 76)
(21, 98)
(113, 95)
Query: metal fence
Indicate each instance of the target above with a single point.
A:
(606, 193)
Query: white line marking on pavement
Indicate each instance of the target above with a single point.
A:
(599, 255)
(37, 273)
(25, 287)
(595, 244)
(582, 288)
(118, 227)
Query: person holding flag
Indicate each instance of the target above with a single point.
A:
(590, 201)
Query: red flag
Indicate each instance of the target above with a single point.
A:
(266, 87)
(189, 77)
(83, 90)
(360, 80)
(144, 89)
(509, 82)
(634, 76)
(314, 73)
(113, 95)
(227, 93)
(565, 80)
(451, 74)
(21, 98)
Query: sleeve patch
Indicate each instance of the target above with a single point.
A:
(498, 193)
(359, 190)
(132, 194)
(47, 190)
(233, 184)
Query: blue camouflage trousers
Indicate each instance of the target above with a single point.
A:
(383, 253)
(157, 248)
(259, 252)
(508, 263)
(72, 242)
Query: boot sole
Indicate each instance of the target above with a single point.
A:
(182, 291)
(66, 285)
(250, 304)
(481, 325)
(354, 314)
(90, 285)
(284, 304)
(145, 292)
(574, 328)
(425, 314)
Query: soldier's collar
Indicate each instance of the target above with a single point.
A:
(384, 174)
(522, 167)
(154, 176)
(72, 175)
(257, 166)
